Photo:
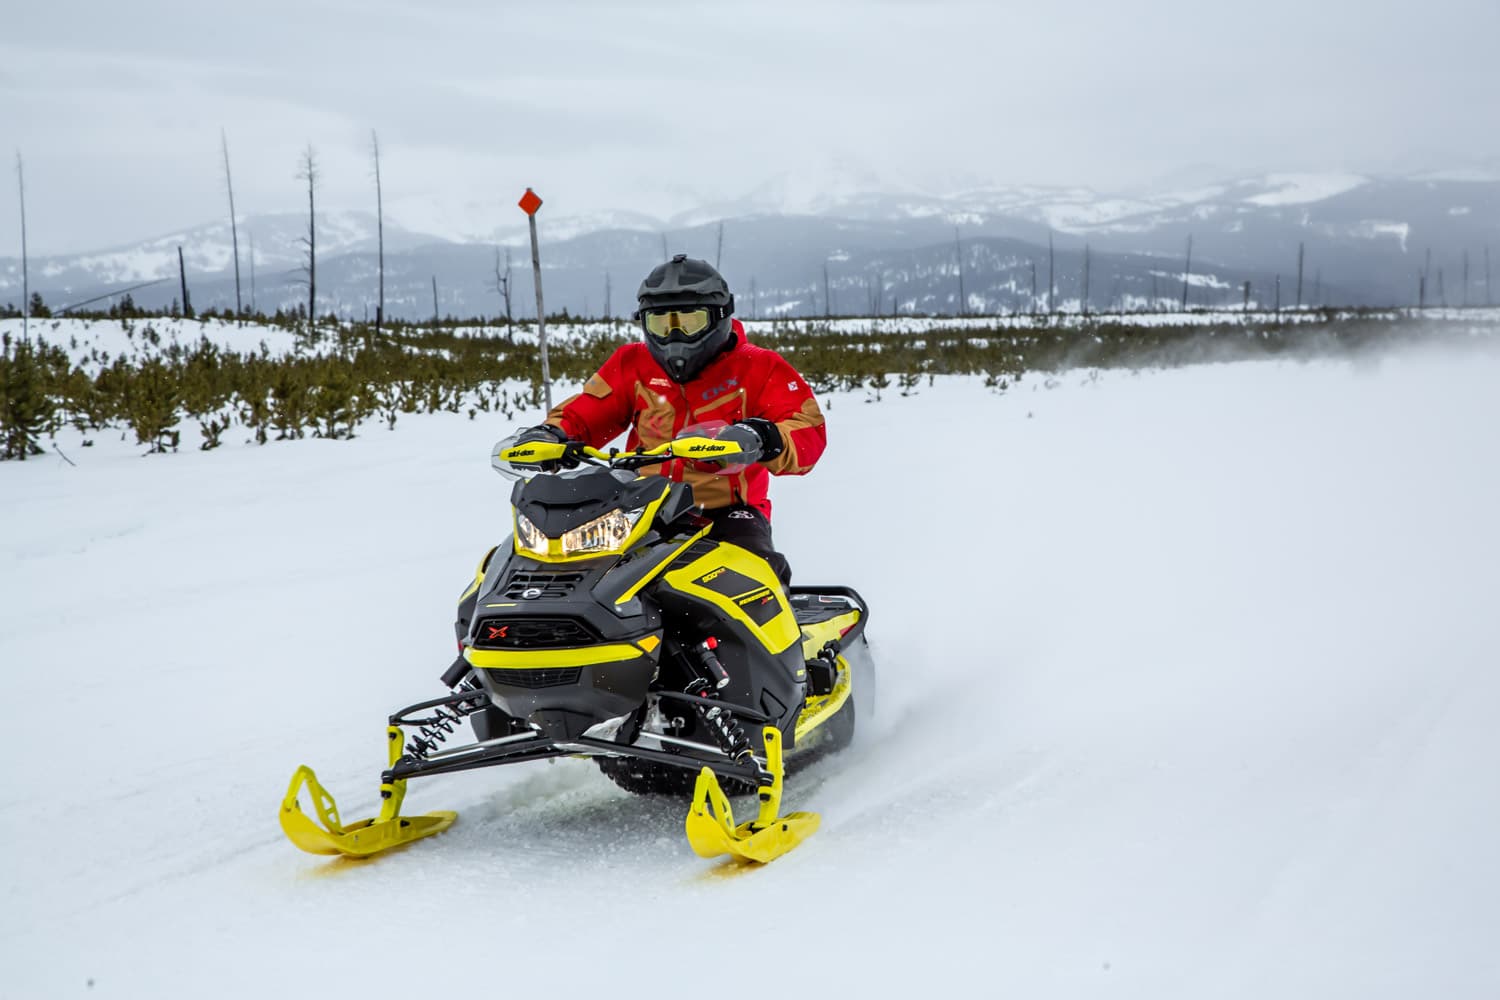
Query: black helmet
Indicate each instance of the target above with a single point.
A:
(685, 310)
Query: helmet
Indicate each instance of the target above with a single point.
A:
(685, 310)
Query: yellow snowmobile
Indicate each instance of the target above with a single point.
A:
(610, 627)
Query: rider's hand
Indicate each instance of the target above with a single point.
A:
(758, 438)
(548, 434)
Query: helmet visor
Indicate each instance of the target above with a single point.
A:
(662, 323)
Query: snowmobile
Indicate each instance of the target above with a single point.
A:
(609, 626)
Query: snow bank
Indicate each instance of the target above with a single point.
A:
(1187, 689)
(84, 338)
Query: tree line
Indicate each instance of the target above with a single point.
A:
(357, 374)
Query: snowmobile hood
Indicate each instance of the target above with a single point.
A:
(560, 503)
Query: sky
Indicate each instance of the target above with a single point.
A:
(659, 107)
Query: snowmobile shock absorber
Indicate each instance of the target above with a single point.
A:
(726, 729)
(437, 727)
(709, 661)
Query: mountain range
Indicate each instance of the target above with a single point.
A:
(849, 249)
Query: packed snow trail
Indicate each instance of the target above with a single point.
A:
(1187, 688)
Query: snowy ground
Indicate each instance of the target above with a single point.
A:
(1188, 689)
(87, 339)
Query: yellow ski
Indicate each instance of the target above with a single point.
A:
(328, 835)
(710, 823)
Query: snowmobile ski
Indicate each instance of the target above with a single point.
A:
(328, 835)
(710, 822)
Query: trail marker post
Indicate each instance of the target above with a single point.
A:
(529, 203)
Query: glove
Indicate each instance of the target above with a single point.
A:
(758, 438)
(543, 433)
(548, 434)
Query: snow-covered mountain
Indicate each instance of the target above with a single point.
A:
(208, 249)
(1363, 240)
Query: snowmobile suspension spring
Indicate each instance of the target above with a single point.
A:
(726, 729)
(437, 727)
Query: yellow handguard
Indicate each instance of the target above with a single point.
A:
(710, 822)
(698, 447)
(366, 837)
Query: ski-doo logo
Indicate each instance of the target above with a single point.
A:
(515, 453)
(707, 449)
(497, 631)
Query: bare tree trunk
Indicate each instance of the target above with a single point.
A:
(234, 226)
(187, 303)
(1051, 275)
(1466, 279)
(1033, 286)
(754, 304)
(252, 271)
(1084, 300)
(379, 234)
(1421, 289)
(1278, 295)
(505, 284)
(665, 255)
(958, 255)
(1246, 306)
(25, 261)
(607, 291)
(309, 172)
(1317, 299)
(1187, 273)
(827, 299)
(1442, 294)
(719, 249)
(1300, 248)
(434, 302)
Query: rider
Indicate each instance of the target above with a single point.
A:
(696, 367)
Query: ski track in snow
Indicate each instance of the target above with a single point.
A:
(1186, 688)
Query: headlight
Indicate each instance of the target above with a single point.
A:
(529, 538)
(603, 534)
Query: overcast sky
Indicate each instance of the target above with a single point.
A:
(658, 106)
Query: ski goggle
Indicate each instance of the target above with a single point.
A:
(689, 322)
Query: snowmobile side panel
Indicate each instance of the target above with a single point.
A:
(669, 554)
(745, 588)
(815, 635)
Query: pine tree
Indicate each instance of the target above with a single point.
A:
(27, 409)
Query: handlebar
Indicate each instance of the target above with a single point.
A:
(534, 454)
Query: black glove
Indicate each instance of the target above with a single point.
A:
(758, 438)
(547, 434)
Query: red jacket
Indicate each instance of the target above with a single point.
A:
(632, 391)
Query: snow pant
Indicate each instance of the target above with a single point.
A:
(748, 528)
